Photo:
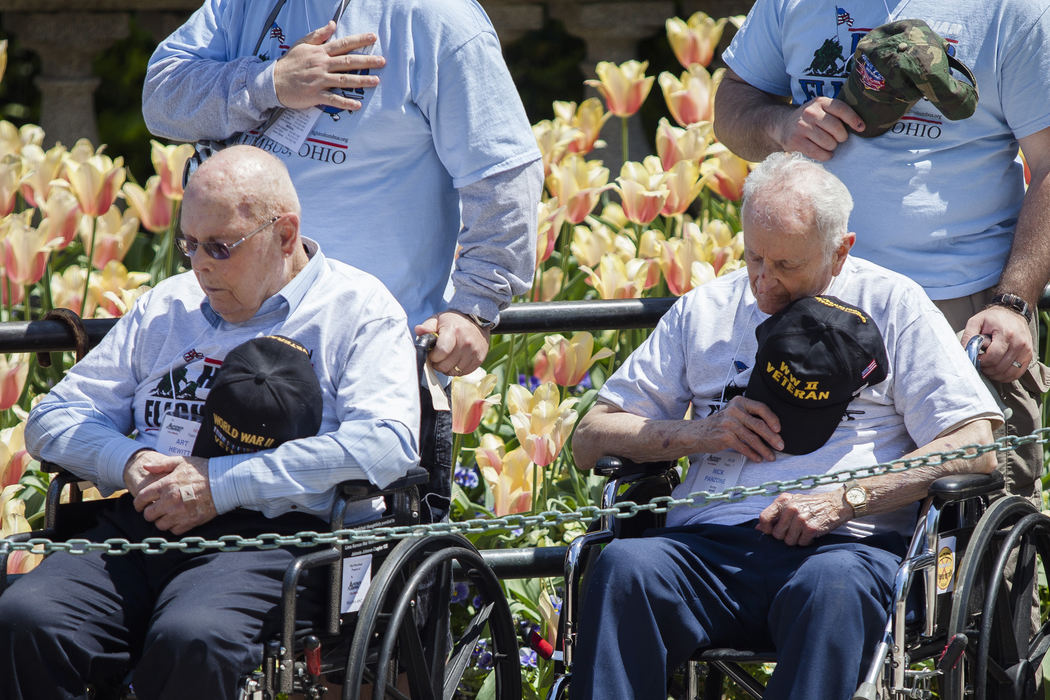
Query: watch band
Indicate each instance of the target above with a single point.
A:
(482, 323)
(1014, 303)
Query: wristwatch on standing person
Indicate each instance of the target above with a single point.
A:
(1014, 303)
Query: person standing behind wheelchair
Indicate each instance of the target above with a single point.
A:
(809, 361)
(282, 315)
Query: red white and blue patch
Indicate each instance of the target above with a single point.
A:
(868, 370)
(870, 78)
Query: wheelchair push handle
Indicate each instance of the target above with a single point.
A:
(975, 348)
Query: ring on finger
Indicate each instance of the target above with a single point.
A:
(1017, 364)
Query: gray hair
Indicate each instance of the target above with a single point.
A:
(794, 181)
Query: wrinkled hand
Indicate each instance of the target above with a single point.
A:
(746, 426)
(816, 128)
(461, 345)
(798, 519)
(1011, 342)
(315, 67)
(175, 495)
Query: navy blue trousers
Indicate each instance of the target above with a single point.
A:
(189, 625)
(651, 602)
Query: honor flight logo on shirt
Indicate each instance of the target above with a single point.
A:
(181, 391)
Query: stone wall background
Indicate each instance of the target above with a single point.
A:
(76, 66)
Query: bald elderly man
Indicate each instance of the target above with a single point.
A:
(190, 624)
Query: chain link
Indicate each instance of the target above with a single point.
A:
(622, 510)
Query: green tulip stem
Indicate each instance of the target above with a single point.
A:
(87, 267)
(457, 445)
(623, 135)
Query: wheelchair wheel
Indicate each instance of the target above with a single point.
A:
(387, 641)
(993, 604)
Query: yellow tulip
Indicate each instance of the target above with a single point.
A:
(684, 185)
(623, 86)
(674, 143)
(615, 279)
(67, 290)
(13, 456)
(612, 214)
(679, 254)
(550, 284)
(470, 396)
(588, 119)
(578, 183)
(42, 171)
(62, 216)
(554, 139)
(170, 162)
(541, 423)
(150, 204)
(25, 248)
(13, 521)
(642, 190)
(566, 362)
(694, 41)
(725, 172)
(650, 243)
(509, 476)
(10, 179)
(116, 304)
(590, 243)
(114, 278)
(14, 138)
(691, 98)
(551, 217)
(95, 181)
(114, 234)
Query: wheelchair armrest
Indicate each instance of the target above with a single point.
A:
(959, 487)
(360, 489)
(616, 467)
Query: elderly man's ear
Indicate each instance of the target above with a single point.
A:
(288, 229)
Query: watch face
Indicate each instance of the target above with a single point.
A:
(855, 496)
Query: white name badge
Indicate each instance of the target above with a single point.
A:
(177, 435)
(292, 127)
(357, 577)
(719, 471)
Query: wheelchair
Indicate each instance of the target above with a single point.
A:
(399, 628)
(960, 623)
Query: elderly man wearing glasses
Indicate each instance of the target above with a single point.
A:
(190, 624)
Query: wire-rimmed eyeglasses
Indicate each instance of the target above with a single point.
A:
(220, 251)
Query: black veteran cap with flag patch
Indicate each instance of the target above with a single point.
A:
(813, 358)
(896, 65)
(265, 393)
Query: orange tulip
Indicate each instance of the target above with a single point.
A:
(553, 139)
(13, 521)
(114, 280)
(691, 98)
(590, 243)
(615, 279)
(95, 181)
(694, 41)
(578, 183)
(623, 86)
(642, 191)
(42, 171)
(550, 284)
(509, 475)
(588, 119)
(684, 185)
(13, 372)
(566, 362)
(541, 423)
(114, 234)
(25, 248)
(675, 143)
(470, 396)
(726, 172)
(150, 204)
(170, 162)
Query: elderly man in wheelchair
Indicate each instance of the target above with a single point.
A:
(810, 361)
(191, 625)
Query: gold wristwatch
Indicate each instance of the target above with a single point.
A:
(856, 496)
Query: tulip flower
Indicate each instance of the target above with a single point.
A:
(13, 372)
(615, 279)
(541, 423)
(726, 172)
(95, 181)
(14, 138)
(679, 254)
(694, 41)
(691, 98)
(150, 204)
(62, 218)
(13, 521)
(170, 163)
(67, 290)
(612, 215)
(3, 57)
(578, 183)
(549, 285)
(10, 179)
(551, 216)
(470, 396)
(509, 476)
(25, 248)
(41, 172)
(590, 243)
(684, 185)
(114, 233)
(115, 304)
(642, 191)
(553, 139)
(550, 611)
(623, 86)
(588, 119)
(13, 456)
(675, 143)
(566, 362)
(114, 278)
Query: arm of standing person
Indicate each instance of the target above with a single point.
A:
(196, 88)
(753, 123)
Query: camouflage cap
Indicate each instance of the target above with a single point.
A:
(896, 65)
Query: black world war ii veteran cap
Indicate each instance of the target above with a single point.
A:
(813, 358)
(265, 393)
(896, 65)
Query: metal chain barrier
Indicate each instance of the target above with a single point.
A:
(626, 509)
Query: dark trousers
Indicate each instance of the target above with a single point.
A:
(189, 625)
(651, 602)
